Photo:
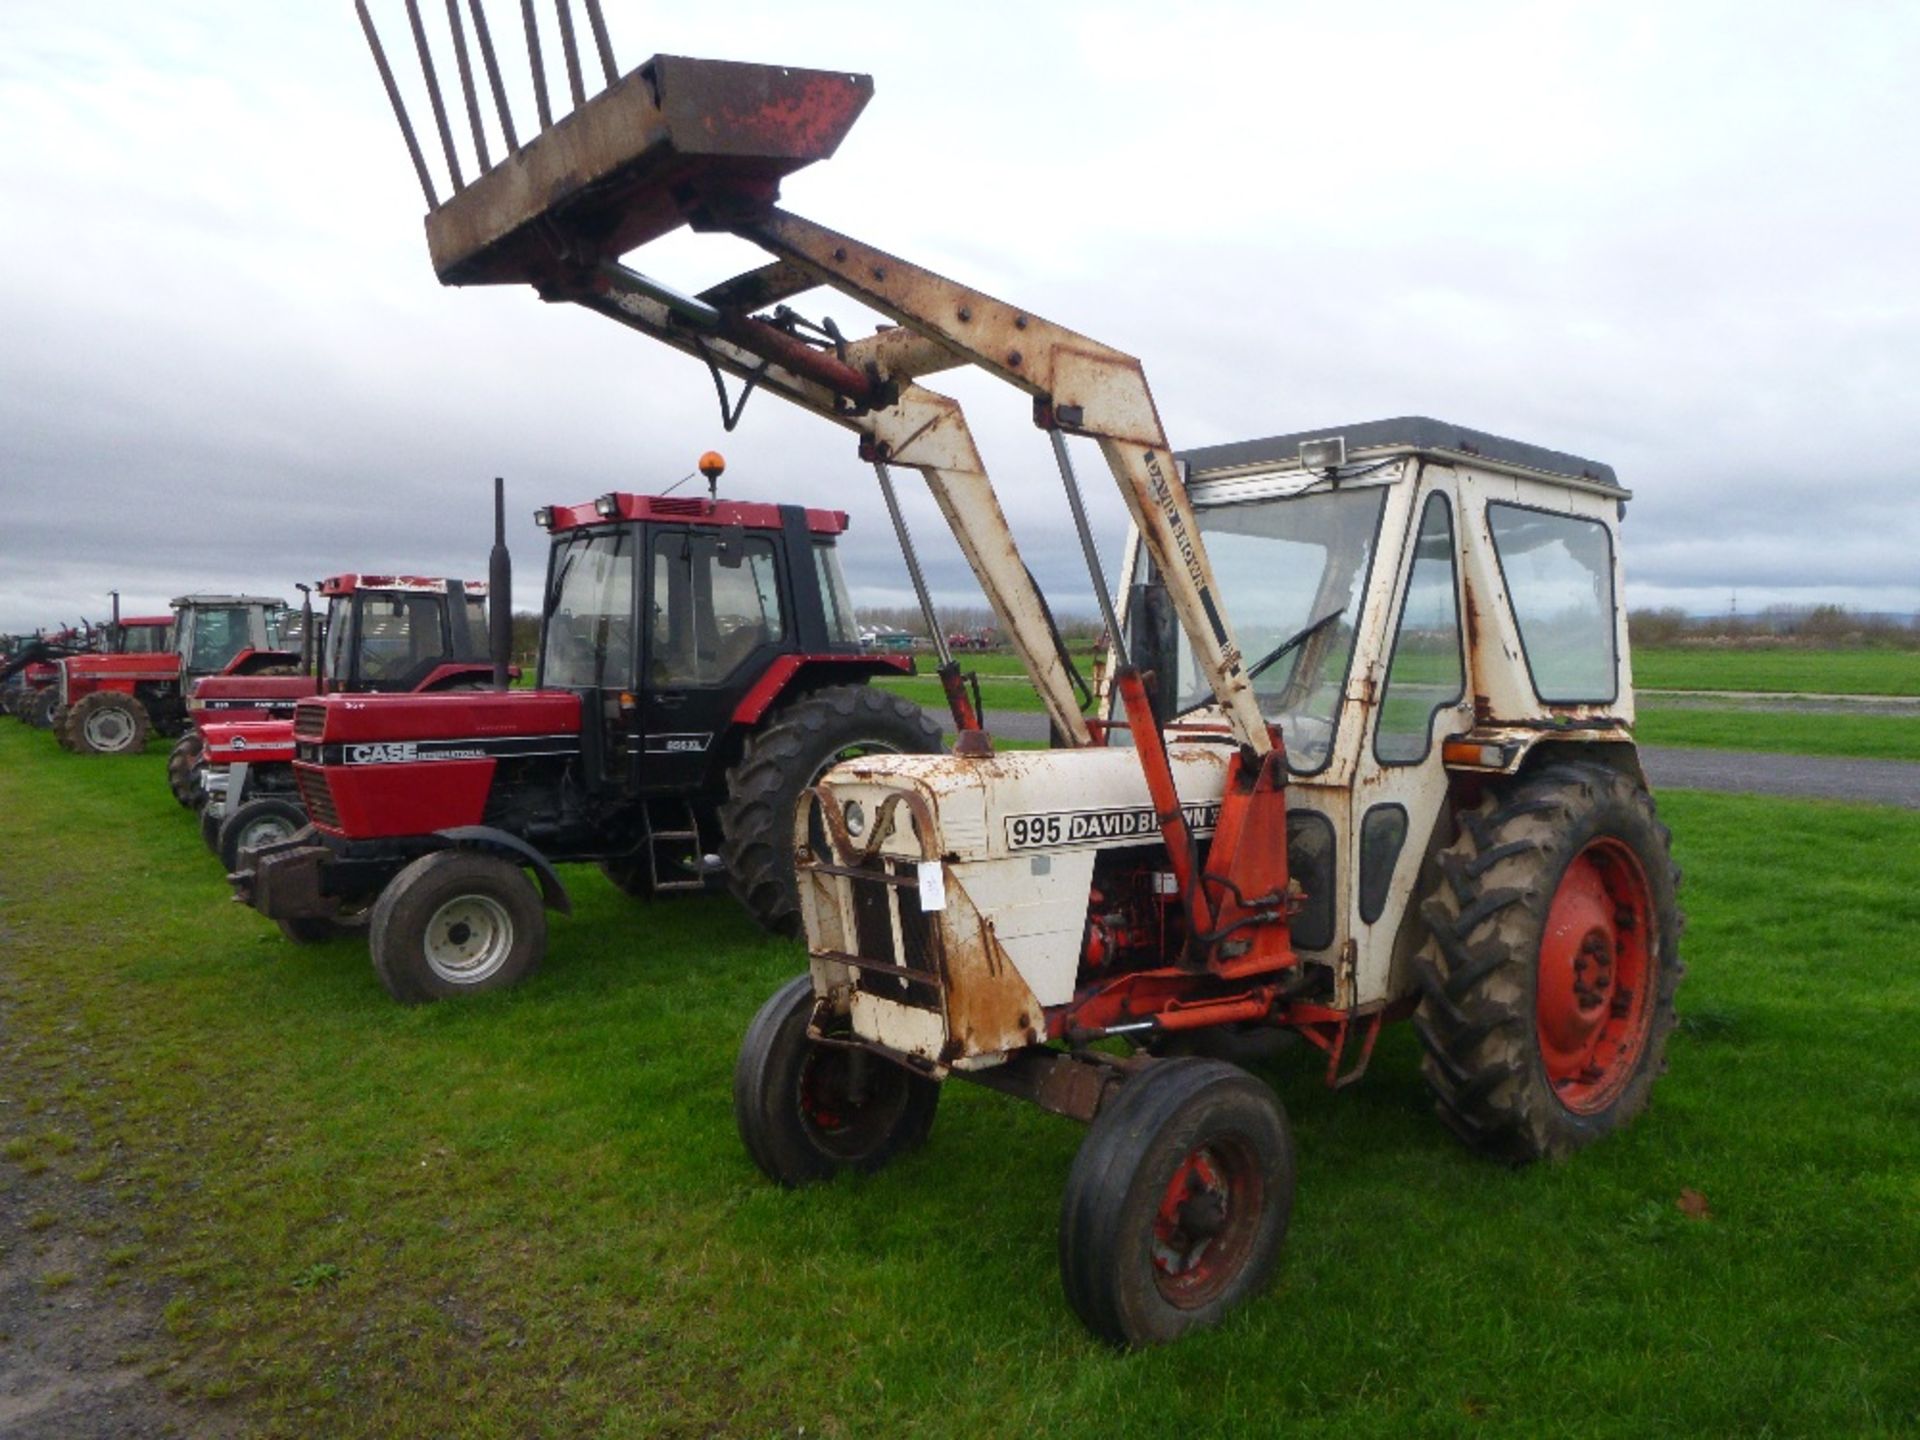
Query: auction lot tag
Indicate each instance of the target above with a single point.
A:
(933, 885)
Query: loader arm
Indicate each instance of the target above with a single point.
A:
(703, 143)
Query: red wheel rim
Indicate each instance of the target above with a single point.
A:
(1593, 1000)
(1208, 1218)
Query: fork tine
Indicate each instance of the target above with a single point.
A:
(399, 107)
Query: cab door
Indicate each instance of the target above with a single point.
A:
(715, 619)
(589, 645)
(1400, 788)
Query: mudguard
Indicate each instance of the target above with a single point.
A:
(485, 837)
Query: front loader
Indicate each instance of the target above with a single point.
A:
(1401, 784)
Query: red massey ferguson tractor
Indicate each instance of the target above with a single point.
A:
(699, 669)
(404, 634)
(109, 704)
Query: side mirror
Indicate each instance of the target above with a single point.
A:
(731, 550)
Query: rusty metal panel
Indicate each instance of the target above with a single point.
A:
(625, 167)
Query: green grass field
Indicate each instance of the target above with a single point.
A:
(1832, 672)
(528, 1214)
(1875, 737)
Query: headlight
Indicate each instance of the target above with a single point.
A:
(856, 818)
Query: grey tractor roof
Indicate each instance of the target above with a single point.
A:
(1416, 434)
(209, 600)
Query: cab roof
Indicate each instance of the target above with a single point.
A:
(685, 510)
(1372, 440)
(212, 600)
(127, 621)
(413, 584)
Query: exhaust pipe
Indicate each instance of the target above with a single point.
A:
(307, 649)
(500, 589)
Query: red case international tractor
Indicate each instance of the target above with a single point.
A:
(382, 633)
(699, 667)
(110, 703)
(1405, 786)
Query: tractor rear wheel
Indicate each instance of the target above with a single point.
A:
(807, 1111)
(184, 763)
(456, 922)
(261, 821)
(781, 761)
(1177, 1203)
(1548, 977)
(107, 723)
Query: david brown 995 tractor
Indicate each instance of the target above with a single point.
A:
(109, 704)
(1406, 785)
(699, 668)
(399, 634)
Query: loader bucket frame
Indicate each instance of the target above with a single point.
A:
(705, 143)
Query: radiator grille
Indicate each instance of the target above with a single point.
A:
(876, 902)
(317, 796)
(309, 721)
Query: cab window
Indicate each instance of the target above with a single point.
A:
(715, 601)
(1427, 673)
(1558, 571)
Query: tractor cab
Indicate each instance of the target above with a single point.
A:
(674, 619)
(402, 632)
(231, 634)
(141, 635)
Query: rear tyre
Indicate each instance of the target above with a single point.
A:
(261, 821)
(456, 922)
(185, 762)
(807, 1111)
(107, 723)
(210, 823)
(1177, 1203)
(1548, 978)
(785, 757)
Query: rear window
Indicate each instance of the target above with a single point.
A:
(1559, 576)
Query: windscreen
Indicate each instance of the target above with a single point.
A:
(218, 633)
(1292, 573)
(397, 636)
(587, 641)
(143, 639)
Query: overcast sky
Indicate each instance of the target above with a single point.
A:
(1683, 239)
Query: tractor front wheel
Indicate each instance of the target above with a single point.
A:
(783, 760)
(1547, 981)
(38, 709)
(261, 821)
(107, 723)
(184, 763)
(807, 1110)
(456, 922)
(1177, 1202)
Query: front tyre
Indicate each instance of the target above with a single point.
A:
(262, 821)
(1548, 978)
(784, 758)
(184, 764)
(106, 723)
(1177, 1203)
(807, 1111)
(456, 922)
